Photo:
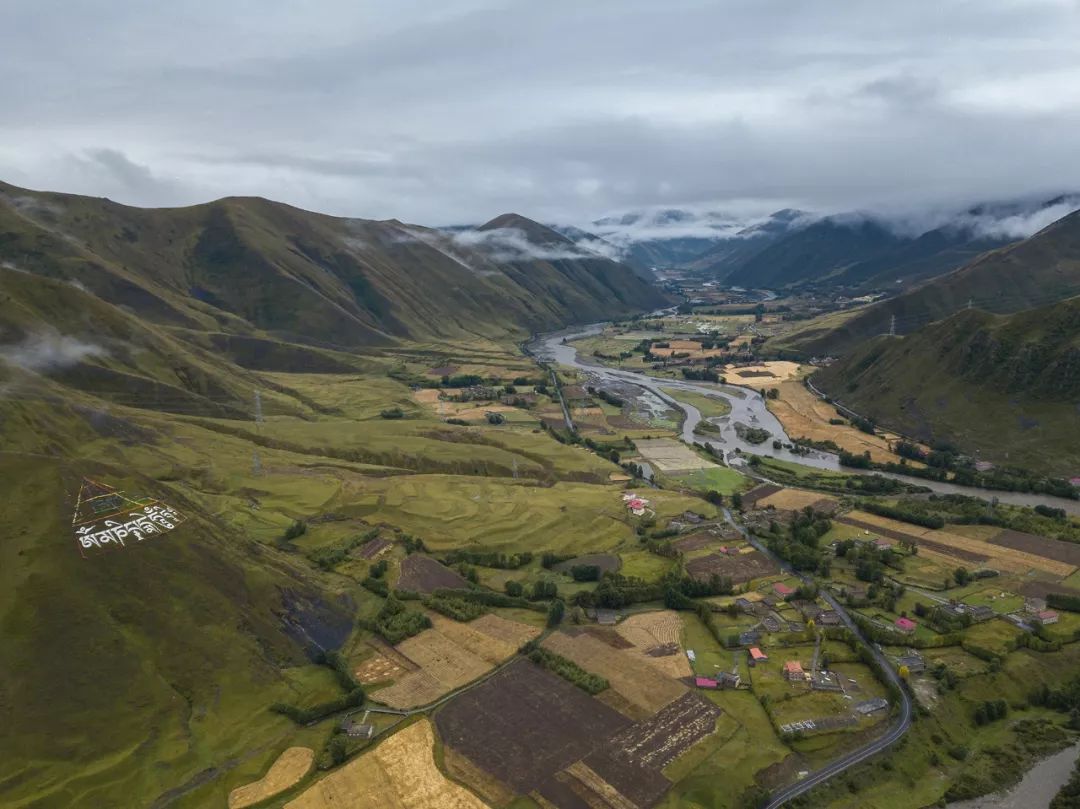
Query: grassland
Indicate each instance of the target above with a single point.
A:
(709, 406)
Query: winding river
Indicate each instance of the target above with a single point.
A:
(747, 407)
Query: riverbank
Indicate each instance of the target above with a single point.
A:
(1035, 790)
(748, 408)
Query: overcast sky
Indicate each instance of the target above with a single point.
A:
(457, 110)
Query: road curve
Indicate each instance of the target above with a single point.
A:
(900, 725)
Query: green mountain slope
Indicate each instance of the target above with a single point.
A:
(1006, 387)
(131, 344)
(239, 265)
(1037, 271)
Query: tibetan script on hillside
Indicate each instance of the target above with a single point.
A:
(107, 519)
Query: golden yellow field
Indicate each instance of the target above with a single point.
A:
(640, 683)
(400, 773)
(451, 654)
(794, 500)
(286, 771)
(514, 633)
(650, 629)
(804, 415)
(1005, 558)
(767, 373)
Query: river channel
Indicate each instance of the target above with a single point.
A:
(748, 408)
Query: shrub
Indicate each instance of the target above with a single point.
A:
(392, 413)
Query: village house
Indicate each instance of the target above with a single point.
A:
(905, 625)
(872, 705)
(749, 637)
(828, 618)
(726, 679)
(981, 613)
(1047, 617)
(912, 661)
(783, 590)
(757, 656)
(705, 682)
(793, 671)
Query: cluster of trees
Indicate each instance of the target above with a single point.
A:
(375, 581)
(392, 413)
(303, 716)
(489, 598)
(457, 608)
(990, 711)
(755, 435)
(549, 559)
(331, 556)
(607, 396)
(799, 545)
(702, 375)
(543, 590)
(1065, 699)
(616, 591)
(864, 424)
(585, 572)
(297, 529)
(461, 380)
(905, 514)
(1063, 601)
(395, 622)
(567, 669)
(499, 561)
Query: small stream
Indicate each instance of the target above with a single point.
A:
(747, 407)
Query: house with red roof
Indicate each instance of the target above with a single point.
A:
(905, 624)
(793, 671)
(757, 656)
(782, 590)
(1047, 617)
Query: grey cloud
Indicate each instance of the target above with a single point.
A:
(511, 244)
(47, 351)
(453, 112)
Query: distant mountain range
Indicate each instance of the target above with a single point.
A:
(1040, 270)
(857, 251)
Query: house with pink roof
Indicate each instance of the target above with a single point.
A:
(1048, 617)
(782, 590)
(704, 682)
(905, 624)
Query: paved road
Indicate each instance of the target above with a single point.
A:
(900, 725)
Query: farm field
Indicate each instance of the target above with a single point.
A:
(453, 511)
(721, 479)
(671, 455)
(797, 500)
(639, 683)
(287, 771)
(765, 373)
(422, 574)
(527, 732)
(399, 773)
(739, 567)
(657, 638)
(451, 654)
(961, 549)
